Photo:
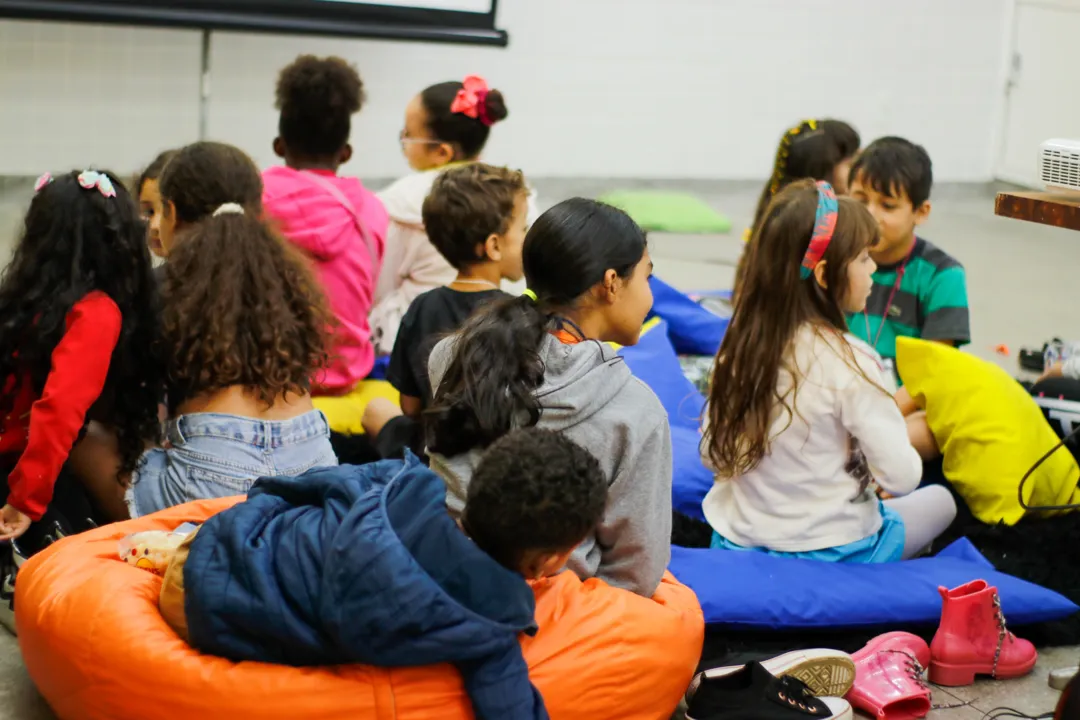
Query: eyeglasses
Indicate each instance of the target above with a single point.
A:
(405, 140)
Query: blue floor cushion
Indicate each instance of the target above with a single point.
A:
(748, 590)
(693, 329)
(654, 361)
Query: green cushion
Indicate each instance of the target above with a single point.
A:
(672, 212)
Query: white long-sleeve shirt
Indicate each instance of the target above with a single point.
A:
(800, 497)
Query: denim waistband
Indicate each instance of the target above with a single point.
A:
(264, 434)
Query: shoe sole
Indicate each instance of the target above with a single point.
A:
(963, 675)
(840, 709)
(828, 673)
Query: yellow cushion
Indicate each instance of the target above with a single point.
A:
(345, 412)
(989, 429)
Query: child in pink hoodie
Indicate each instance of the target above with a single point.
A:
(338, 223)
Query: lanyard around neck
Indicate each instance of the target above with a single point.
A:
(888, 303)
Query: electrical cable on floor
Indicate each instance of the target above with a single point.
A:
(1039, 462)
(1004, 712)
(954, 706)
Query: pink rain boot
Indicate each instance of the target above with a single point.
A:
(888, 677)
(973, 640)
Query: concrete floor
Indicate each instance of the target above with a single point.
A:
(1020, 278)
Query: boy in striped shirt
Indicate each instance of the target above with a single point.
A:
(919, 289)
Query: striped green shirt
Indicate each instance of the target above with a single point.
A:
(931, 302)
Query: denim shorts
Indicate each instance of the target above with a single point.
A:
(210, 455)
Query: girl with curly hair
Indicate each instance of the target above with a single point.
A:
(244, 331)
(333, 219)
(79, 334)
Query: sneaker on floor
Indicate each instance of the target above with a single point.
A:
(751, 692)
(828, 673)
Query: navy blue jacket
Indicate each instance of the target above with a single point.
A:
(361, 564)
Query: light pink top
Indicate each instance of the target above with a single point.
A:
(323, 224)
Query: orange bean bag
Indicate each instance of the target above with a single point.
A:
(97, 647)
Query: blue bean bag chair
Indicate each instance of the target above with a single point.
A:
(693, 329)
(654, 361)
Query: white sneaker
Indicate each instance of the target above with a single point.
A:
(828, 673)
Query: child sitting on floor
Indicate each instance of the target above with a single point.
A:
(244, 331)
(149, 196)
(335, 221)
(919, 289)
(374, 570)
(543, 359)
(475, 217)
(446, 124)
(77, 343)
(799, 424)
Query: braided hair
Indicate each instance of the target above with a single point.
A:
(76, 241)
(490, 383)
(811, 149)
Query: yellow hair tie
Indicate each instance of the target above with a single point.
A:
(529, 294)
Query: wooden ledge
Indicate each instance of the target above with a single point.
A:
(1057, 209)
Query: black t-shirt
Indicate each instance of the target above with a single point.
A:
(430, 317)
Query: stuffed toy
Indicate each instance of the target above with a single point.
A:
(153, 549)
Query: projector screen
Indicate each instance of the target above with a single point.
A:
(459, 21)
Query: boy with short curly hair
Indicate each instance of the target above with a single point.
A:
(476, 217)
(373, 569)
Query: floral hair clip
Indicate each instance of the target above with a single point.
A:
(471, 100)
(42, 182)
(90, 179)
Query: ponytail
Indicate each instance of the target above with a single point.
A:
(490, 385)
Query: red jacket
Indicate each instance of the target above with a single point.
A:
(42, 430)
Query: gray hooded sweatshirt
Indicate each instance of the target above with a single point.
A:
(589, 395)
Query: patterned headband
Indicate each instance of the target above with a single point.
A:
(824, 225)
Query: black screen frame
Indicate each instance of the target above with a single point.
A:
(274, 16)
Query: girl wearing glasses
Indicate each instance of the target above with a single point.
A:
(446, 124)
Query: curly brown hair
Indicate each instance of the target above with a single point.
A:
(466, 205)
(241, 306)
(317, 98)
(773, 303)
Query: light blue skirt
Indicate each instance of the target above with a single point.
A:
(886, 545)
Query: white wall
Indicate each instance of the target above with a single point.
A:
(76, 95)
(1042, 102)
(596, 88)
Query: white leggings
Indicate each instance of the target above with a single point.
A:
(926, 513)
